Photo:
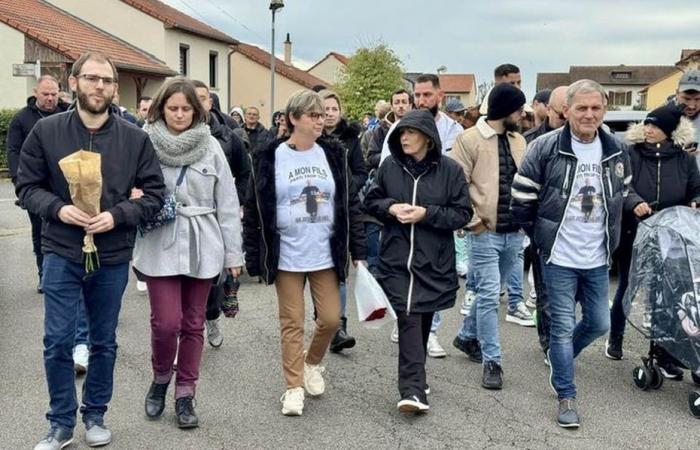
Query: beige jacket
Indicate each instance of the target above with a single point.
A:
(476, 149)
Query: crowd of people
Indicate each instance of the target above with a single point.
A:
(423, 197)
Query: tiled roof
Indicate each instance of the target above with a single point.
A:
(605, 75)
(262, 57)
(688, 52)
(342, 58)
(552, 80)
(174, 18)
(70, 36)
(457, 82)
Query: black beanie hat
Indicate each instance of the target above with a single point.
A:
(665, 117)
(504, 100)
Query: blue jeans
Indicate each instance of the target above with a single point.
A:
(515, 281)
(373, 231)
(103, 289)
(494, 256)
(81, 329)
(568, 338)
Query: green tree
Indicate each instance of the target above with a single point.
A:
(373, 73)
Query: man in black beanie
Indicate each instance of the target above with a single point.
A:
(490, 154)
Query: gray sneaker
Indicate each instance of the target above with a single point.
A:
(520, 315)
(96, 434)
(57, 439)
(567, 416)
(214, 334)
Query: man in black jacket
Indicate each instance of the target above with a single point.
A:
(239, 164)
(576, 245)
(258, 135)
(127, 160)
(43, 103)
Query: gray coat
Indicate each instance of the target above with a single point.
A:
(206, 235)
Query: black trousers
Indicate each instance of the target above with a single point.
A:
(543, 317)
(214, 301)
(413, 343)
(36, 240)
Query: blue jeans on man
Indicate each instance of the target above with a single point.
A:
(514, 282)
(567, 338)
(102, 290)
(493, 257)
(81, 329)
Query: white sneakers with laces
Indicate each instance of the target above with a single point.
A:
(313, 379)
(293, 402)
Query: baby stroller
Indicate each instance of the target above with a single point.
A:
(663, 298)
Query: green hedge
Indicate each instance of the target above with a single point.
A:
(6, 116)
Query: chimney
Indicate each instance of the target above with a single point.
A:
(288, 51)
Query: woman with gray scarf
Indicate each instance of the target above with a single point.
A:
(181, 258)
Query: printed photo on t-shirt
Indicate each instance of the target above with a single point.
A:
(309, 195)
(587, 200)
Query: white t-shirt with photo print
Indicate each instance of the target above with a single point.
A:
(305, 191)
(581, 240)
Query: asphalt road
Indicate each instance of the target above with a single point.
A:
(241, 383)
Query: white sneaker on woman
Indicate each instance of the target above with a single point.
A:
(293, 402)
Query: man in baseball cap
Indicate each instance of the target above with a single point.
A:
(688, 95)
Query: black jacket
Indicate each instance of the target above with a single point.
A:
(417, 262)
(235, 152)
(260, 237)
(543, 186)
(374, 152)
(663, 175)
(349, 135)
(259, 137)
(128, 160)
(19, 129)
(506, 171)
(533, 133)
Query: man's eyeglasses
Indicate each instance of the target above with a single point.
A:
(95, 79)
(559, 114)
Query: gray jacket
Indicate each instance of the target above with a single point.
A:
(206, 235)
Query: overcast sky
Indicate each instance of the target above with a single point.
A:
(469, 36)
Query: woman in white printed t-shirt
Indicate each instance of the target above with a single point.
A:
(301, 221)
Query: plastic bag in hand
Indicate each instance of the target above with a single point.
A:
(373, 307)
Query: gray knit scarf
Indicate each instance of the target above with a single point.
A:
(182, 150)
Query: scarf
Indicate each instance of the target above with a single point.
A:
(178, 150)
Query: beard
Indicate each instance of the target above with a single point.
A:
(510, 125)
(433, 110)
(84, 103)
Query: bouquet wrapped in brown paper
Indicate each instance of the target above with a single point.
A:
(83, 172)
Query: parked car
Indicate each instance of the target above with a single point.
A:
(619, 121)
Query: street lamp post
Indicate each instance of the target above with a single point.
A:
(274, 6)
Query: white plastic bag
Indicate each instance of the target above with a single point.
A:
(373, 307)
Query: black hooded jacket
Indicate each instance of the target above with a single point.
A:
(349, 135)
(261, 240)
(259, 137)
(19, 129)
(417, 262)
(127, 160)
(235, 153)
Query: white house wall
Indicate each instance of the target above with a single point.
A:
(13, 90)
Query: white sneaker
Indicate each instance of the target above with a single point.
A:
(214, 334)
(313, 379)
(520, 315)
(435, 350)
(293, 402)
(141, 286)
(81, 356)
(462, 269)
(466, 306)
(531, 302)
(395, 334)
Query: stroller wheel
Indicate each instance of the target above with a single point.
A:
(657, 378)
(642, 377)
(694, 404)
(696, 378)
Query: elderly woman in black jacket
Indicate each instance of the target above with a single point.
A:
(421, 197)
(663, 175)
(302, 220)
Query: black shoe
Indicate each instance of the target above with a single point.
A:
(342, 339)
(613, 347)
(470, 347)
(184, 409)
(413, 404)
(155, 400)
(493, 376)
